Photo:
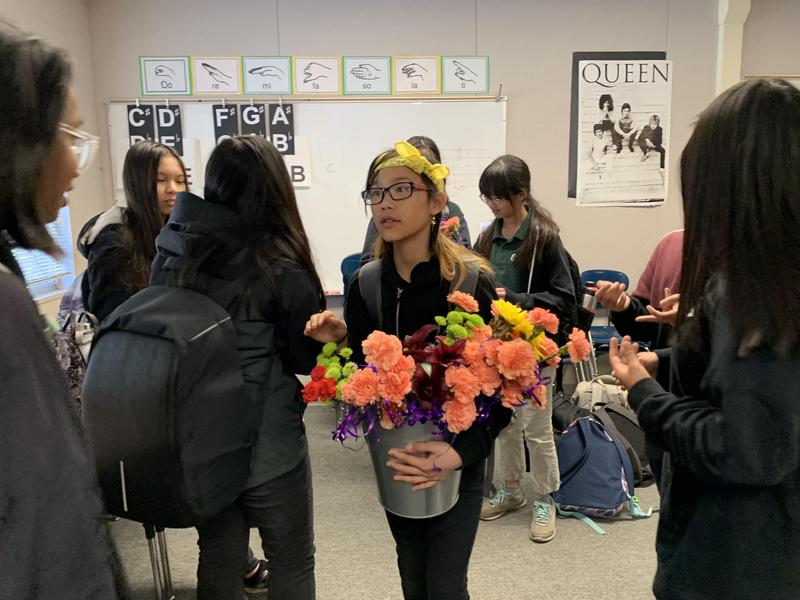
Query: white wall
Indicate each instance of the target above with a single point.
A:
(65, 23)
(530, 45)
(771, 44)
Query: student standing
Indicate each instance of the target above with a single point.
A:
(532, 270)
(418, 266)
(730, 515)
(244, 246)
(53, 543)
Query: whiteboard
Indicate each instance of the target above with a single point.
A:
(341, 139)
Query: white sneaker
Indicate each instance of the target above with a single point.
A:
(543, 525)
(502, 502)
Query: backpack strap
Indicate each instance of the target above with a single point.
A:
(608, 423)
(369, 285)
(469, 284)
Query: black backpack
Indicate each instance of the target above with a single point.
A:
(166, 407)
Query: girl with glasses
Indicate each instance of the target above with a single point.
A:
(532, 269)
(54, 544)
(428, 148)
(418, 267)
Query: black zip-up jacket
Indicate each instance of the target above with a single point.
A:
(730, 510)
(270, 311)
(407, 306)
(101, 242)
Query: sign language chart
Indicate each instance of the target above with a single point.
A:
(216, 75)
(416, 74)
(317, 75)
(165, 75)
(465, 74)
(367, 75)
(265, 75)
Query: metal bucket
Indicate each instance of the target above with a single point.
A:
(397, 496)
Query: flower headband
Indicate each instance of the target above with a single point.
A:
(409, 156)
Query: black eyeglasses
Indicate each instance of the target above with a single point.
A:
(398, 191)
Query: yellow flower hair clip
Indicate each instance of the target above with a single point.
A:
(409, 156)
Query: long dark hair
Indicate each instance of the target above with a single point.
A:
(741, 201)
(508, 176)
(247, 175)
(35, 79)
(143, 216)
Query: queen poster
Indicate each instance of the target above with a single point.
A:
(623, 132)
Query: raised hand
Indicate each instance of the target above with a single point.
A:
(325, 327)
(669, 310)
(625, 363)
(612, 296)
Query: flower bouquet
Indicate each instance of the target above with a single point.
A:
(444, 377)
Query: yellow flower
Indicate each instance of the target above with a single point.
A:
(514, 316)
(536, 342)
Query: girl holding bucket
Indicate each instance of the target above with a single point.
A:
(418, 268)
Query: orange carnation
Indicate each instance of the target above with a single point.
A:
(511, 394)
(578, 346)
(458, 416)
(516, 358)
(394, 386)
(548, 347)
(464, 384)
(382, 350)
(544, 319)
(464, 301)
(362, 388)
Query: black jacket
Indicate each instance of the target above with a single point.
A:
(269, 309)
(53, 543)
(412, 305)
(730, 511)
(101, 243)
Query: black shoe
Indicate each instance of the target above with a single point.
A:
(258, 581)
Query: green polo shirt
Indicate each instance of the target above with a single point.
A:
(503, 251)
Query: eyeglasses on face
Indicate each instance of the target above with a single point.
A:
(491, 199)
(398, 191)
(83, 145)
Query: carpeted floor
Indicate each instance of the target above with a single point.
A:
(355, 551)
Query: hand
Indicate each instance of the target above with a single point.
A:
(650, 144)
(625, 362)
(667, 314)
(364, 71)
(315, 70)
(423, 464)
(612, 296)
(501, 292)
(649, 361)
(267, 71)
(414, 70)
(463, 72)
(325, 327)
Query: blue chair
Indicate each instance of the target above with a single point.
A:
(350, 265)
(602, 334)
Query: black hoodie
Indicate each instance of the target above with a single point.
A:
(270, 310)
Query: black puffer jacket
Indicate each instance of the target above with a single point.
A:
(269, 309)
(101, 243)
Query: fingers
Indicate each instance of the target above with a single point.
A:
(670, 300)
(317, 320)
